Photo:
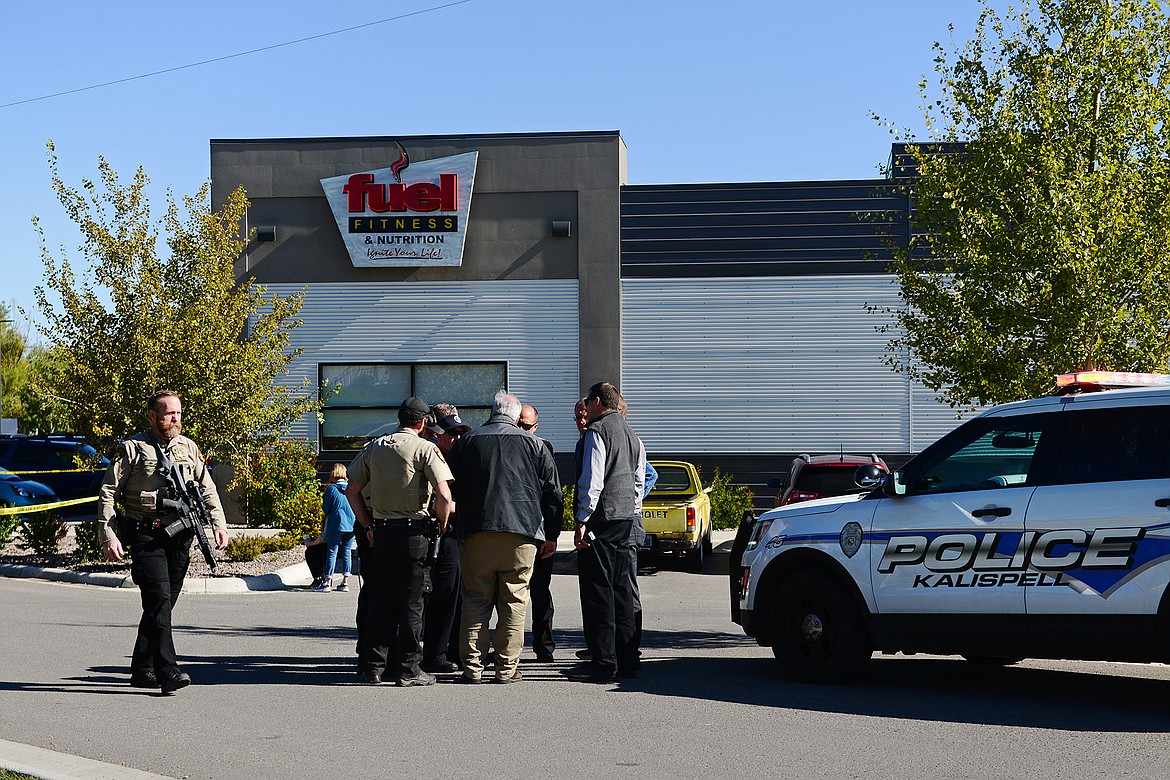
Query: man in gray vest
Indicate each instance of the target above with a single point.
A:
(609, 501)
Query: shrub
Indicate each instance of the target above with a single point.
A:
(89, 541)
(41, 532)
(244, 548)
(568, 518)
(300, 514)
(728, 501)
(8, 525)
(280, 488)
(286, 541)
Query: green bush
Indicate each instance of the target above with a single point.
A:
(300, 514)
(40, 532)
(8, 526)
(89, 541)
(280, 489)
(568, 518)
(244, 548)
(286, 541)
(728, 501)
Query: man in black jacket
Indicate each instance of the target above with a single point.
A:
(540, 585)
(509, 503)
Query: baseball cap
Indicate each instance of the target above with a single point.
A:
(415, 407)
(450, 424)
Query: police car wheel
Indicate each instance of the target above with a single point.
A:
(992, 660)
(818, 634)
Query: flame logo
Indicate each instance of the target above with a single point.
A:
(401, 164)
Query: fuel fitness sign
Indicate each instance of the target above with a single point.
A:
(410, 214)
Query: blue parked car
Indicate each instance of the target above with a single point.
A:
(15, 491)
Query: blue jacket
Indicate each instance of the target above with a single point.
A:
(338, 513)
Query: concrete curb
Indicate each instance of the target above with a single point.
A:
(50, 765)
(105, 579)
(290, 577)
(293, 576)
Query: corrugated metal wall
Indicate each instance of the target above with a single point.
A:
(768, 364)
(532, 325)
(760, 229)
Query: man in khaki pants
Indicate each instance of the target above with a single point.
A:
(509, 501)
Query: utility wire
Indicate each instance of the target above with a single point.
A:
(233, 56)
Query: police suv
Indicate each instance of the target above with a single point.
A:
(1039, 529)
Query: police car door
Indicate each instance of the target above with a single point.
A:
(1099, 532)
(949, 545)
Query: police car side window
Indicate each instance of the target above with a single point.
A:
(1115, 444)
(996, 452)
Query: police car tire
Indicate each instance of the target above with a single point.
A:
(992, 660)
(818, 634)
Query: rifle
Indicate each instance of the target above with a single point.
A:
(187, 501)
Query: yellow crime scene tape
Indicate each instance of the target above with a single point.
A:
(20, 510)
(22, 472)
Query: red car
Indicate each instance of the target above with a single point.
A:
(820, 476)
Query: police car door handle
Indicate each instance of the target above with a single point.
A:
(994, 511)
(1162, 502)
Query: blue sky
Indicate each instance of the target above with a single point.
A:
(768, 90)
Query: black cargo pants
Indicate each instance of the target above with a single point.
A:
(394, 617)
(608, 598)
(158, 565)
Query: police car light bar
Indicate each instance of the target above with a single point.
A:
(1112, 379)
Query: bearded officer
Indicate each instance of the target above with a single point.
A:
(158, 561)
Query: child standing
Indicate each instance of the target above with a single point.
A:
(339, 520)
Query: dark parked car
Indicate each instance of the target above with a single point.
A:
(69, 466)
(821, 476)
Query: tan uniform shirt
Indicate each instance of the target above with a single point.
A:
(133, 479)
(399, 471)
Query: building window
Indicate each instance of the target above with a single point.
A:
(367, 404)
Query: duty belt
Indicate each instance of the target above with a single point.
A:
(398, 522)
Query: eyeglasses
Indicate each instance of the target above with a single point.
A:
(526, 426)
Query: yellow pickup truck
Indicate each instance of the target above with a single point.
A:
(677, 514)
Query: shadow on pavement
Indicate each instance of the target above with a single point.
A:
(937, 689)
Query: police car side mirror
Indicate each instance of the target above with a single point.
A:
(894, 486)
(869, 476)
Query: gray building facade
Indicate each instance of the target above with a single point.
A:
(736, 318)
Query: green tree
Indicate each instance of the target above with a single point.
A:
(13, 364)
(143, 319)
(1048, 229)
(41, 411)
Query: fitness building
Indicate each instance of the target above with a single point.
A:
(733, 317)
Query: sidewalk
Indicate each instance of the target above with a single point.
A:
(50, 765)
(290, 577)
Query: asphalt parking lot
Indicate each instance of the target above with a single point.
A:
(273, 698)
